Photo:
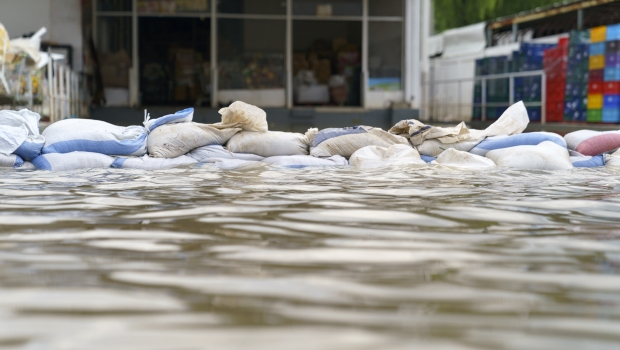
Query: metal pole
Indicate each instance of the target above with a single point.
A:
(515, 32)
(214, 72)
(365, 52)
(580, 19)
(458, 100)
(289, 54)
(511, 91)
(484, 100)
(135, 72)
(543, 99)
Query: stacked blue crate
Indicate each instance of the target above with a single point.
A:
(528, 89)
(577, 74)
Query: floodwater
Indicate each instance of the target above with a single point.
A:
(269, 258)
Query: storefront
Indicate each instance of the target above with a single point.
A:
(272, 53)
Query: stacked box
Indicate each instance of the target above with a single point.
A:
(530, 57)
(497, 90)
(610, 90)
(554, 63)
(577, 75)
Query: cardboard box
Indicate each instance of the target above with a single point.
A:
(114, 69)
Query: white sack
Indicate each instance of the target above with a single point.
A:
(174, 140)
(72, 160)
(377, 156)
(592, 143)
(459, 159)
(613, 159)
(242, 115)
(20, 130)
(306, 161)
(27, 166)
(235, 164)
(544, 156)
(433, 148)
(268, 144)
(204, 153)
(527, 139)
(87, 135)
(183, 116)
(513, 121)
(148, 163)
(346, 145)
(11, 161)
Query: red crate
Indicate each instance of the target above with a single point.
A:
(611, 88)
(555, 106)
(597, 75)
(555, 97)
(563, 43)
(595, 87)
(555, 116)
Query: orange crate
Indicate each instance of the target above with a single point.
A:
(598, 34)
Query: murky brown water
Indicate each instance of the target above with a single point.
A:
(268, 258)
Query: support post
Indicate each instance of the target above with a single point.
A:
(364, 84)
(580, 19)
(289, 54)
(214, 70)
(484, 100)
(543, 98)
(515, 32)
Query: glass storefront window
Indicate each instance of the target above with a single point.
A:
(262, 7)
(327, 8)
(385, 40)
(393, 8)
(251, 54)
(112, 34)
(114, 5)
(172, 6)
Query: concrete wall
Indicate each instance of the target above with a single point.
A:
(62, 18)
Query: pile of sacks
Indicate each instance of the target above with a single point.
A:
(242, 138)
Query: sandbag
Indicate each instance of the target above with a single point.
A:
(174, 140)
(242, 115)
(204, 153)
(376, 156)
(581, 161)
(148, 163)
(234, 164)
(346, 145)
(592, 143)
(316, 137)
(427, 159)
(27, 166)
(527, 139)
(465, 160)
(268, 144)
(544, 156)
(87, 135)
(19, 133)
(433, 148)
(72, 160)
(10, 161)
(305, 161)
(183, 116)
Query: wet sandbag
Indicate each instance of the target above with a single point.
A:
(544, 156)
(87, 135)
(306, 161)
(204, 153)
(19, 134)
(27, 166)
(592, 143)
(268, 144)
(463, 160)
(234, 164)
(243, 115)
(174, 140)
(354, 139)
(72, 160)
(433, 148)
(11, 161)
(427, 159)
(376, 156)
(149, 163)
(612, 160)
(527, 139)
(581, 161)
(182, 116)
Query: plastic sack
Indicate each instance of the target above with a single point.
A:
(19, 133)
(376, 156)
(612, 159)
(528, 139)
(234, 164)
(71, 161)
(10, 161)
(305, 161)
(183, 116)
(348, 144)
(544, 156)
(433, 148)
(174, 140)
(315, 137)
(148, 163)
(465, 160)
(87, 135)
(581, 161)
(204, 153)
(242, 115)
(592, 143)
(268, 144)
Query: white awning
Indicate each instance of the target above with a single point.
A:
(465, 40)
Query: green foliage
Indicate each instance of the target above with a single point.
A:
(458, 13)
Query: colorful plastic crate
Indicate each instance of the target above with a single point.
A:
(598, 34)
(611, 33)
(611, 88)
(594, 115)
(597, 49)
(597, 62)
(611, 101)
(611, 115)
(612, 74)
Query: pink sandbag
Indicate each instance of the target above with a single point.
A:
(592, 143)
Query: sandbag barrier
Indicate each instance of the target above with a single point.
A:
(242, 139)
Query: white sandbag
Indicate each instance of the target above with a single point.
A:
(545, 156)
(464, 160)
(613, 160)
(72, 160)
(204, 153)
(433, 148)
(19, 133)
(10, 161)
(268, 144)
(376, 156)
(348, 144)
(27, 166)
(513, 121)
(87, 135)
(148, 163)
(242, 115)
(183, 116)
(592, 143)
(235, 164)
(174, 140)
(527, 139)
(306, 161)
